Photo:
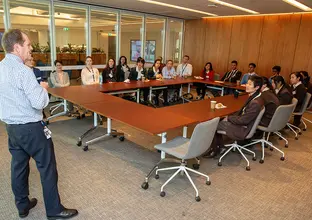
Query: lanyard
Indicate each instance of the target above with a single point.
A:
(91, 72)
(183, 68)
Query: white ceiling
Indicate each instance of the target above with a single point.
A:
(261, 6)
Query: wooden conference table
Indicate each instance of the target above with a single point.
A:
(155, 121)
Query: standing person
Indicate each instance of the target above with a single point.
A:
(90, 75)
(123, 70)
(185, 68)
(251, 72)
(110, 72)
(21, 102)
(207, 74)
(299, 92)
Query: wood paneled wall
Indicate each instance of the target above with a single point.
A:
(284, 40)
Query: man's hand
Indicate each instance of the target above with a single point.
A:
(44, 85)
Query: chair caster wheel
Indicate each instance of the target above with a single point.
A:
(83, 115)
(162, 194)
(296, 138)
(304, 129)
(280, 138)
(47, 122)
(300, 133)
(282, 158)
(85, 148)
(197, 198)
(286, 145)
(208, 182)
(78, 117)
(79, 143)
(271, 148)
(266, 146)
(195, 166)
(220, 164)
(157, 176)
(248, 168)
(114, 135)
(121, 138)
(254, 158)
(261, 161)
(144, 185)
(101, 122)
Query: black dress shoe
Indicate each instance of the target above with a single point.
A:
(32, 204)
(212, 153)
(65, 214)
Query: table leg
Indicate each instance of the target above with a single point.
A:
(189, 88)
(109, 125)
(138, 96)
(185, 131)
(65, 106)
(163, 140)
(150, 94)
(94, 119)
(181, 90)
(222, 91)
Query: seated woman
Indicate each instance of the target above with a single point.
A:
(59, 78)
(110, 73)
(136, 73)
(282, 90)
(155, 73)
(207, 74)
(89, 74)
(123, 70)
(305, 78)
(270, 101)
(299, 92)
(238, 125)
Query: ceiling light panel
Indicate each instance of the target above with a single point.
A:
(233, 6)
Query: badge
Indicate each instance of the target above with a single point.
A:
(47, 132)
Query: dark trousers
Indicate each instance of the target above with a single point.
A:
(29, 141)
(165, 95)
(297, 120)
(145, 94)
(201, 89)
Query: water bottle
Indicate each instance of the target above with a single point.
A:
(100, 79)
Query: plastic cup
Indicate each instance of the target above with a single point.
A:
(213, 104)
(238, 82)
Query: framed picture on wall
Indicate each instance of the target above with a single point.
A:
(150, 50)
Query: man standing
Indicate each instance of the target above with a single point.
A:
(185, 69)
(21, 102)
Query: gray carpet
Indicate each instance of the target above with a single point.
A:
(104, 183)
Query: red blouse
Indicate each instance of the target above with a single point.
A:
(208, 76)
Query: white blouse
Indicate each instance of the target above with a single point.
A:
(90, 76)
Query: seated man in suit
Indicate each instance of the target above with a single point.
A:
(238, 125)
(251, 72)
(231, 76)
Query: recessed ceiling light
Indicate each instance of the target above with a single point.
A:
(298, 5)
(233, 6)
(177, 7)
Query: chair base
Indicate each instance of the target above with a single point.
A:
(182, 169)
(293, 128)
(234, 147)
(263, 143)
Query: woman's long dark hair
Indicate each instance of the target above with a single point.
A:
(298, 75)
(119, 62)
(267, 82)
(211, 68)
(281, 79)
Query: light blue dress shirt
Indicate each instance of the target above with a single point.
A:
(168, 74)
(21, 97)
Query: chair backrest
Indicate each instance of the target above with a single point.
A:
(281, 116)
(255, 125)
(216, 76)
(305, 104)
(202, 138)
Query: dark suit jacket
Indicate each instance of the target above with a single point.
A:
(134, 74)
(236, 76)
(299, 93)
(284, 96)
(107, 77)
(39, 75)
(239, 125)
(151, 74)
(271, 103)
(121, 74)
